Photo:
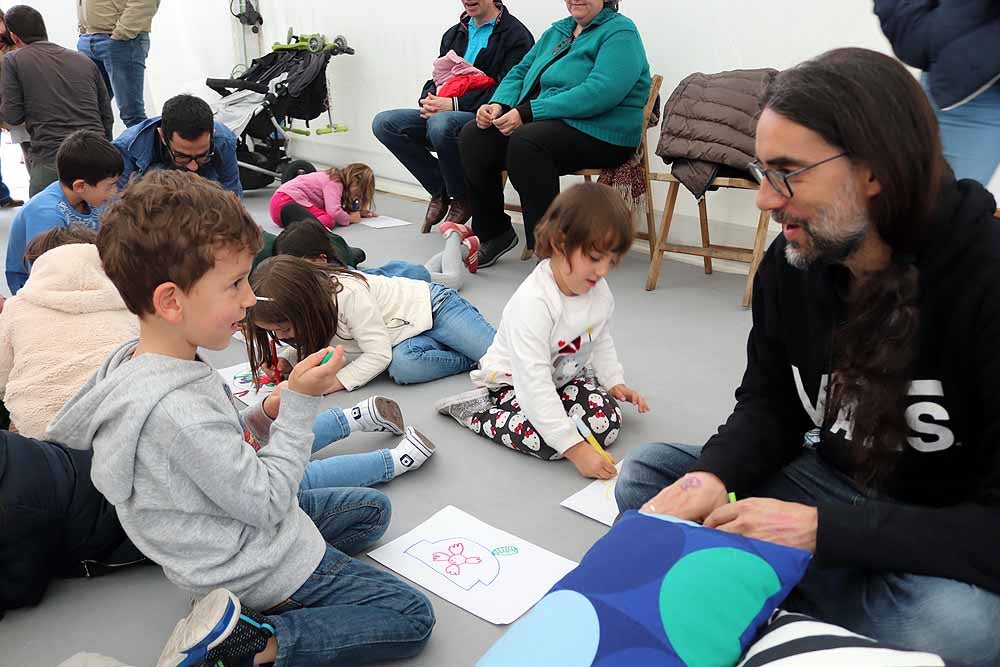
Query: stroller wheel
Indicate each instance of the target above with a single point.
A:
(296, 168)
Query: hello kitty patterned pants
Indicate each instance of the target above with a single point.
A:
(506, 424)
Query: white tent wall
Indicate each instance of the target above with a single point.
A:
(396, 41)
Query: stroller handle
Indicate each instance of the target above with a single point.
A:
(221, 85)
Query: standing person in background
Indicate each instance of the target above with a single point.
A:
(487, 38)
(957, 45)
(6, 46)
(115, 35)
(52, 90)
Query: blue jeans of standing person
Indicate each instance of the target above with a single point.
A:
(4, 191)
(412, 139)
(971, 135)
(348, 470)
(348, 612)
(951, 618)
(122, 63)
(457, 340)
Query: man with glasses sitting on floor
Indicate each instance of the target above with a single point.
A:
(184, 137)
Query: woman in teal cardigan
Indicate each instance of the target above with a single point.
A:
(574, 102)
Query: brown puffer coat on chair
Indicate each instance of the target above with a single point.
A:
(710, 122)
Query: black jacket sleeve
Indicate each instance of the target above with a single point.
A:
(765, 430)
(907, 25)
(517, 43)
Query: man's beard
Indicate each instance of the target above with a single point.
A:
(834, 232)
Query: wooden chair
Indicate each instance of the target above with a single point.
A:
(589, 174)
(707, 250)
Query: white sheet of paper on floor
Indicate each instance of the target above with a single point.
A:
(384, 222)
(240, 382)
(596, 500)
(486, 571)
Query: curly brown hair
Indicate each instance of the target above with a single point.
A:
(168, 226)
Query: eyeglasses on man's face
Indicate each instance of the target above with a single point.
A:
(183, 159)
(779, 178)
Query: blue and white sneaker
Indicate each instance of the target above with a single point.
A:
(218, 631)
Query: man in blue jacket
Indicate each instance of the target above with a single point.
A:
(957, 45)
(185, 137)
(491, 39)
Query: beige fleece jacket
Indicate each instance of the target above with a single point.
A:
(56, 332)
(122, 19)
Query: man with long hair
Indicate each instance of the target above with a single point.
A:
(867, 425)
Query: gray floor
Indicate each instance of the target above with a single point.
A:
(682, 346)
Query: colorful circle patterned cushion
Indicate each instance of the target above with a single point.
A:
(655, 591)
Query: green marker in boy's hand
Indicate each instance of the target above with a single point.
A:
(328, 357)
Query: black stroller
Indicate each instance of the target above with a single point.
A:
(288, 83)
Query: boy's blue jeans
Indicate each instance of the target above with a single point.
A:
(455, 343)
(348, 612)
(951, 618)
(348, 470)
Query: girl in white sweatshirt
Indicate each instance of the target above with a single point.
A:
(552, 378)
(418, 331)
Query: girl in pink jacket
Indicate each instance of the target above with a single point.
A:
(338, 197)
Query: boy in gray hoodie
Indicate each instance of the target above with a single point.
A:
(171, 453)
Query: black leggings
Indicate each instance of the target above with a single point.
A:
(535, 155)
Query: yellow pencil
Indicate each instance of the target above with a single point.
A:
(588, 435)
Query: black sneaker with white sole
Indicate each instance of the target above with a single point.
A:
(490, 251)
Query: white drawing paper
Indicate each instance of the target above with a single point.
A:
(596, 500)
(240, 383)
(384, 222)
(486, 571)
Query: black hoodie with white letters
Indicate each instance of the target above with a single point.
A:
(940, 509)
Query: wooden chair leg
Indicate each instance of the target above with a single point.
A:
(588, 178)
(656, 259)
(705, 242)
(758, 254)
(650, 217)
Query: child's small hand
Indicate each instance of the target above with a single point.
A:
(355, 217)
(590, 463)
(368, 214)
(313, 378)
(272, 404)
(624, 393)
(284, 365)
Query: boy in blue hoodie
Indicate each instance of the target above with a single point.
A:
(89, 167)
(171, 453)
